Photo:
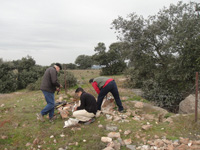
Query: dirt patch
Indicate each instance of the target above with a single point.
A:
(3, 122)
(10, 95)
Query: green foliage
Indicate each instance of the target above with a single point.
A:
(71, 80)
(84, 61)
(18, 74)
(69, 66)
(8, 78)
(163, 52)
(113, 60)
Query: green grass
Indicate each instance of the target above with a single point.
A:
(19, 124)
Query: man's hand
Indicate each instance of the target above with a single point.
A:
(75, 108)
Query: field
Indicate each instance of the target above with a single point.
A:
(20, 130)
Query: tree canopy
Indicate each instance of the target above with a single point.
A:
(164, 51)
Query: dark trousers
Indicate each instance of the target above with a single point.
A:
(110, 87)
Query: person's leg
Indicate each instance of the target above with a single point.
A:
(49, 108)
(101, 96)
(83, 115)
(115, 94)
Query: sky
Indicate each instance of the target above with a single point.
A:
(53, 31)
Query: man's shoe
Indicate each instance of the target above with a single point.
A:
(52, 119)
(122, 111)
(90, 121)
(40, 117)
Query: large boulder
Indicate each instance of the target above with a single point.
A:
(187, 106)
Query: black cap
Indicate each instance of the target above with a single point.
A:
(91, 80)
(59, 65)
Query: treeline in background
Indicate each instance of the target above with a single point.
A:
(159, 54)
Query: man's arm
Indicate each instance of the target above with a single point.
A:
(54, 79)
(95, 86)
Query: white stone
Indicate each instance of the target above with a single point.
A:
(106, 139)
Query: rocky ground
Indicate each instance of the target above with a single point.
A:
(113, 138)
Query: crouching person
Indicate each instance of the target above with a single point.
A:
(86, 112)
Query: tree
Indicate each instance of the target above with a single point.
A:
(100, 56)
(113, 60)
(84, 61)
(164, 51)
(8, 77)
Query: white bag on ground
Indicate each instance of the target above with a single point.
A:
(70, 122)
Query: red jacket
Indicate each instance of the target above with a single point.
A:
(95, 85)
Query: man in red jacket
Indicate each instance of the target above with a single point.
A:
(102, 86)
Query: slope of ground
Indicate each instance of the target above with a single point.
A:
(143, 126)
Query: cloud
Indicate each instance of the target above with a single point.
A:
(60, 30)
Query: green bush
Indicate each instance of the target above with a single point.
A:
(71, 80)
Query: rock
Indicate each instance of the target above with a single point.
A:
(28, 144)
(100, 126)
(119, 140)
(188, 105)
(106, 139)
(114, 134)
(137, 118)
(131, 147)
(149, 117)
(182, 147)
(146, 127)
(139, 105)
(127, 141)
(111, 128)
(109, 117)
(127, 132)
(64, 113)
(4, 137)
(108, 148)
(108, 106)
(36, 141)
(117, 118)
(184, 140)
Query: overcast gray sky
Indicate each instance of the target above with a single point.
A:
(61, 30)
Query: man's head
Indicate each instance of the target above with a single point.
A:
(58, 67)
(91, 80)
(79, 91)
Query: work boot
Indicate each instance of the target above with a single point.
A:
(40, 117)
(52, 119)
(89, 121)
(122, 111)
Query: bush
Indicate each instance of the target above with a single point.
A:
(162, 95)
(70, 81)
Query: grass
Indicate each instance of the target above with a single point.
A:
(18, 124)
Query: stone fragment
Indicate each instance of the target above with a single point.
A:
(111, 128)
(114, 134)
(139, 105)
(146, 127)
(127, 141)
(106, 139)
(127, 132)
(108, 148)
(36, 141)
(131, 147)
